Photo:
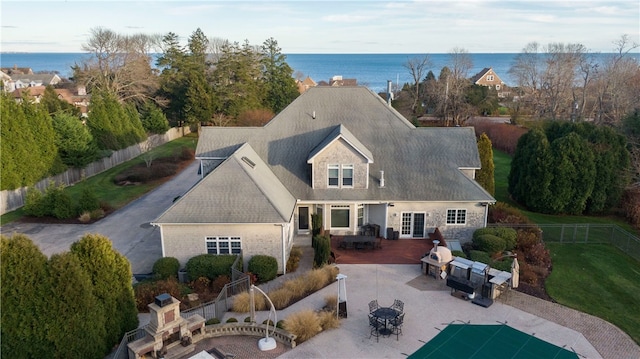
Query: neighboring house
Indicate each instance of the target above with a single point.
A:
(339, 81)
(19, 80)
(305, 84)
(79, 99)
(340, 152)
(488, 77)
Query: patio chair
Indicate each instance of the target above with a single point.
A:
(375, 325)
(396, 325)
(398, 305)
(373, 305)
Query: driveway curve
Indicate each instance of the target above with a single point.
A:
(128, 228)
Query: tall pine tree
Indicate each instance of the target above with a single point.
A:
(485, 176)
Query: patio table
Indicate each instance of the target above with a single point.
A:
(359, 239)
(386, 314)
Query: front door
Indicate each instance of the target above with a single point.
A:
(413, 224)
(303, 219)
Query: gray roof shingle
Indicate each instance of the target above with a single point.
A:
(420, 164)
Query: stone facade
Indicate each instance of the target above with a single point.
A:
(340, 153)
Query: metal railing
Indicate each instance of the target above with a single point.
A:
(214, 309)
(586, 233)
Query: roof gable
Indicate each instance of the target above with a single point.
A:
(241, 190)
(341, 132)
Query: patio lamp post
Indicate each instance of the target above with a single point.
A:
(341, 309)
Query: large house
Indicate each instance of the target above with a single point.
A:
(487, 77)
(341, 152)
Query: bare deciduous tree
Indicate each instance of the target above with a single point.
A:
(417, 67)
(119, 64)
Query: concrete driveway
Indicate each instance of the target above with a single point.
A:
(128, 228)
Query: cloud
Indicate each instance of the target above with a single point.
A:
(342, 18)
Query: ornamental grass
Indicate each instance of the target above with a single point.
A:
(304, 324)
(328, 320)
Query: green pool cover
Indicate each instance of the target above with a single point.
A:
(459, 341)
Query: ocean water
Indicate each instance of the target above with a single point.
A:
(371, 70)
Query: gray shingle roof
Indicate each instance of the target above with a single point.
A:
(240, 182)
(420, 164)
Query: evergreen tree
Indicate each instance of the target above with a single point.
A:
(530, 177)
(280, 86)
(573, 174)
(76, 319)
(74, 141)
(485, 176)
(153, 119)
(173, 86)
(24, 299)
(55, 105)
(110, 274)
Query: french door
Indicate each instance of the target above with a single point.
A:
(413, 224)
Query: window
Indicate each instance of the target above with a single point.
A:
(489, 77)
(413, 224)
(498, 87)
(334, 171)
(360, 215)
(340, 175)
(223, 245)
(340, 216)
(456, 216)
(347, 176)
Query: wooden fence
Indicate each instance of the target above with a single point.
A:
(10, 200)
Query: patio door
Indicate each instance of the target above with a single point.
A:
(413, 224)
(303, 219)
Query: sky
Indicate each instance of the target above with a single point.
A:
(305, 26)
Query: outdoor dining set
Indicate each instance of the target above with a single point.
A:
(386, 321)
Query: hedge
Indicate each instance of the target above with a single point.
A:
(210, 266)
(489, 243)
(166, 267)
(265, 267)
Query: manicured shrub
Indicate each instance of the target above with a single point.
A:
(268, 321)
(304, 324)
(265, 267)
(62, 204)
(166, 267)
(247, 319)
(212, 321)
(457, 253)
(88, 201)
(480, 256)
(503, 264)
(503, 213)
(232, 320)
(489, 243)
(209, 265)
(509, 235)
(34, 203)
(97, 213)
(280, 324)
(322, 250)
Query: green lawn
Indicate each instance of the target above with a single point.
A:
(103, 184)
(597, 279)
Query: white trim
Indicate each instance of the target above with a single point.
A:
(456, 223)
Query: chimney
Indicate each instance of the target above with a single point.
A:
(389, 92)
(381, 179)
(435, 245)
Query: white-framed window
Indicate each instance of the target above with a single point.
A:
(339, 176)
(223, 245)
(498, 87)
(333, 174)
(456, 216)
(347, 175)
(489, 77)
(360, 215)
(340, 216)
(413, 224)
